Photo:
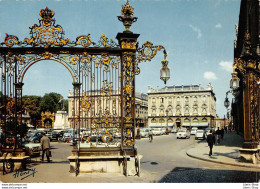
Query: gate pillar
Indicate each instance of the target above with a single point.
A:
(18, 113)
(127, 41)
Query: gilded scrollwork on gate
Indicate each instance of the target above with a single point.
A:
(128, 99)
(49, 34)
(254, 104)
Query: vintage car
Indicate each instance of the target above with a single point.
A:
(144, 132)
(32, 149)
(157, 131)
(193, 130)
(183, 133)
(199, 134)
(174, 130)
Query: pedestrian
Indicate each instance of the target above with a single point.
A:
(151, 135)
(211, 141)
(222, 133)
(226, 129)
(45, 146)
(218, 133)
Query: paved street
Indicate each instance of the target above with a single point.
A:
(164, 160)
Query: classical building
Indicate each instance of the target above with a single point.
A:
(141, 111)
(182, 106)
(221, 122)
(99, 110)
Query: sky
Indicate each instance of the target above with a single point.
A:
(198, 34)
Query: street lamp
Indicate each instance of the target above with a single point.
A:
(226, 102)
(138, 128)
(165, 71)
(234, 81)
(167, 121)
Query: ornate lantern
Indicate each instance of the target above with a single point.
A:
(226, 102)
(234, 81)
(165, 71)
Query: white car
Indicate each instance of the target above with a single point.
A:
(32, 149)
(193, 131)
(174, 130)
(144, 132)
(199, 134)
(183, 134)
(157, 131)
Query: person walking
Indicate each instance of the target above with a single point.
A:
(211, 141)
(218, 133)
(222, 133)
(45, 146)
(151, 135)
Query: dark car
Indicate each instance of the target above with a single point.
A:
(36, 138)
(56, 135)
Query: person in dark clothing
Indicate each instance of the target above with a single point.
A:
(222, 133)
(218, 133)
(211, 141)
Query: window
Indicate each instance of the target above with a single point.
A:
(204, 119)
(153, 120)
(186, 120)
(195, 119)
(186, 109)
(162, 120)
(170, 120)
(186, 99)
(161, 100)
(153, 100)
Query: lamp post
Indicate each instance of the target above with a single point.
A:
(167, 111)
(226, 104)
(138, 127)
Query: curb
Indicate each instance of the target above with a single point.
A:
(220, 162)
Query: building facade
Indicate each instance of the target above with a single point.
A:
(181, 106)
(100, 111)
(141, 110)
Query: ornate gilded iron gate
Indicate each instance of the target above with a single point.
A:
(103, 75)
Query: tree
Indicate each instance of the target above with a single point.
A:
(50, 102)
(32, 106)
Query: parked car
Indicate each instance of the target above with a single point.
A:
(55, 135)
(32, 149)
(66, 137)
(199, 134)
(174, 130)
(193, 130)
(206, 132)
(157, 131)
(183, 134)
(36, 138)
(144, 132)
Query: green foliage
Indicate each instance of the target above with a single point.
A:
(49, 102)
(32, 106)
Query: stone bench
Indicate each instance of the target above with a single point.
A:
(18, 162)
